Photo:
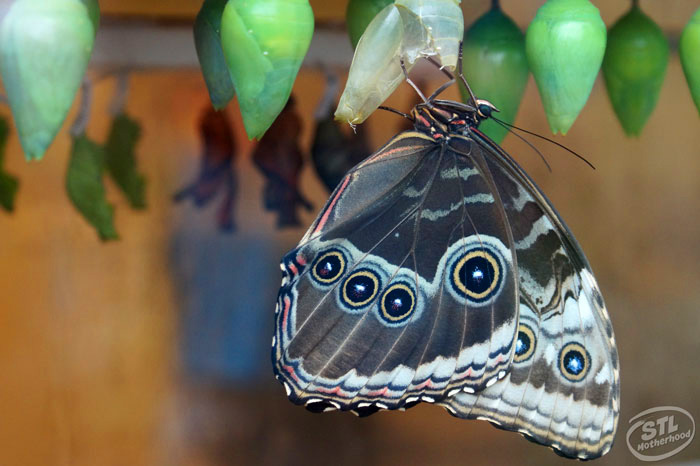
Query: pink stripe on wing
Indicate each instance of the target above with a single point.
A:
(327, 213)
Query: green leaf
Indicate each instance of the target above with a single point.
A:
(120, 160)
(8, 183)
(85, 188)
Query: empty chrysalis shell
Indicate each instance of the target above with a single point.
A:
(405, 30)
(565, 44)
(495, 65)
(264, 42)
(45, 46)
(689, 49)
(359, 14)
(431, 28)
(634, 68)
(375, 71)
(207, 41)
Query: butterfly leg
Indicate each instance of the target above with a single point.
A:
(460, 73)
(413, 85)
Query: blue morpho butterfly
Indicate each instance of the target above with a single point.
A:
(438, 272)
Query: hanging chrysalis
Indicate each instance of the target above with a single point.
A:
(207, 41)
(375, 71)
(689, 50)
(216, 172)
(634, 68)
(333, 152)
(496, 66)
(264, 43)
(280, 160)
(565, 44)
(405, 30)
(45, 46)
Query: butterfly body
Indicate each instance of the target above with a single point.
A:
(438, 272)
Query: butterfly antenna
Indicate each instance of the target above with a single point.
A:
(508, 125)
(505, 125)
(398, 112)
(461, 75)
(413, 85)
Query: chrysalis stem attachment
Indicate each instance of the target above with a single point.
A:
(121, 92)
(83, 117)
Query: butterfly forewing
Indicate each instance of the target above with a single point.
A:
(404, 287)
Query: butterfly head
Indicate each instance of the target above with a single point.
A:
(484, 109)
(441, 117)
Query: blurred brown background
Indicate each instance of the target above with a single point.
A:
(154, 350)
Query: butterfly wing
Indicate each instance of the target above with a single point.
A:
(563, 388)
(403, 289)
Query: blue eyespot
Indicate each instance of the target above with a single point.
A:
(574, 362)
(398, 303)
(524, 344)
(360, 288)
(477, 275)
(329, 267)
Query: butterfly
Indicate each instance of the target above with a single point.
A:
(439, 272)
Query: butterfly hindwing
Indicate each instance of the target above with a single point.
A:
(563, 387)
(404, 288)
